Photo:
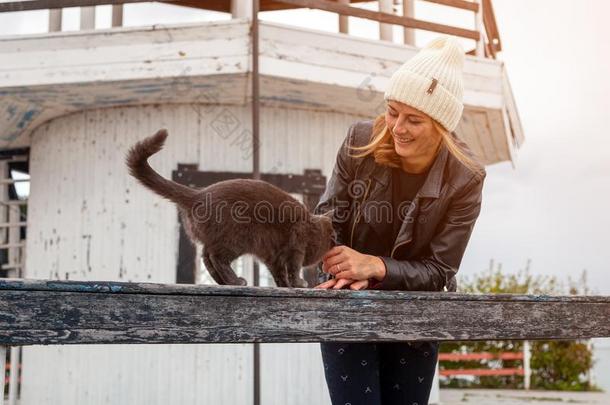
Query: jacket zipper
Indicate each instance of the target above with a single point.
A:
(366, 192)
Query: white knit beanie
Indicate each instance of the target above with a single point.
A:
(431, 81)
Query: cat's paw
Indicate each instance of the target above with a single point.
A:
(300, 283)
(242, 281)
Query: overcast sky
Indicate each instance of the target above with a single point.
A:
(552, 207)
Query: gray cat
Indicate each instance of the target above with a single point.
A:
(241, 216)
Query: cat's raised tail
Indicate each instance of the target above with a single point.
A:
(137, 162)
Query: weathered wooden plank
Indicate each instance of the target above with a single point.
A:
(61, 312)
(117, 287)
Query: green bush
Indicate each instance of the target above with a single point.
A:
(561, 365)
(555, 364)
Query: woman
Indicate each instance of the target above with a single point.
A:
(404, 209)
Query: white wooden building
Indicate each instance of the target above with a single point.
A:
(78, 100)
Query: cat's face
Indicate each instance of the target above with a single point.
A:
(322, 238)
(328, 231)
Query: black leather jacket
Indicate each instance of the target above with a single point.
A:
(434, 233)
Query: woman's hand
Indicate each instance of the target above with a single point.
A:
(337, 284)
(346, 263)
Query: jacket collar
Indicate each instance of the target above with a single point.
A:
(432, 185)
(382, 192)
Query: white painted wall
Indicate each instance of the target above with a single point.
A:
(49, 75)
(89, 220)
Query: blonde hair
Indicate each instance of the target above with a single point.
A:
(381, 146)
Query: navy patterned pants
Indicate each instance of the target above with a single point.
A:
(379, 373)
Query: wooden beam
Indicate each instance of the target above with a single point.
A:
(479, 26)
(215, 5)
(463, 4)
(480, 356)
(383, 17)
(483, 372)
(491, 27)
(223, 6)
(271, 5)
(34, 312)
(54, 4)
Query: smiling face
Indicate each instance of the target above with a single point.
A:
(416, 140)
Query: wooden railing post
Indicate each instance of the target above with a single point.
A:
(385, 30)
(343, 19)
(4, 199)
(12, 220)
(3, 368)
(478, 26)
(55, 20)
(527, 371)
(241, 9)
(117, 15)
(87, 18)
(14, 270)
(408, 10)
(13, 383)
